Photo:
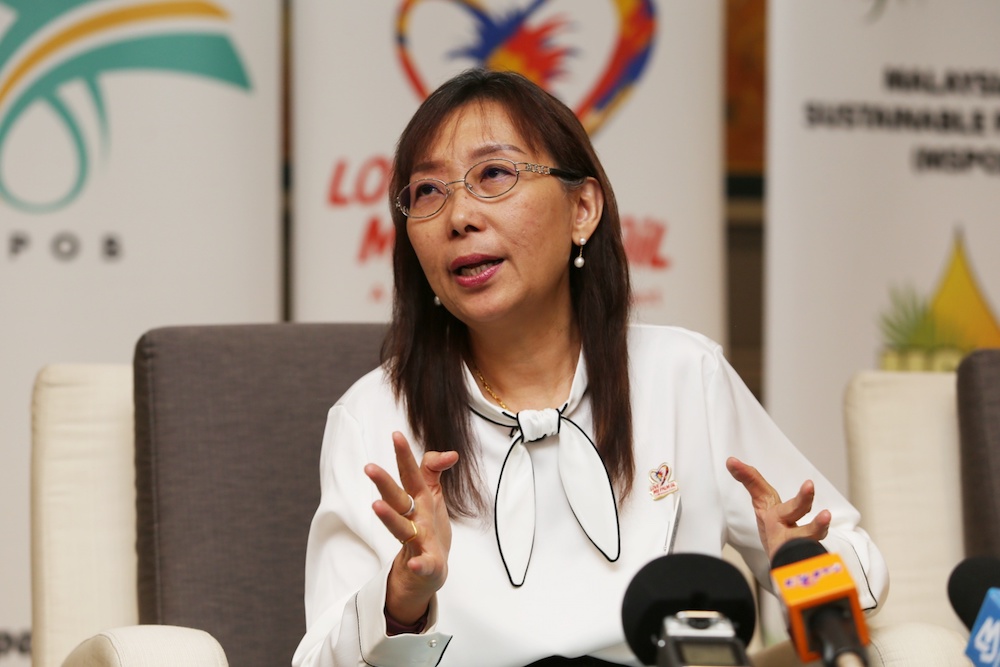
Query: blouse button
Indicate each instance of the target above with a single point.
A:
(432, 643)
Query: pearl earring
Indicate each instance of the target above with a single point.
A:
(437, 301)
(579, 261)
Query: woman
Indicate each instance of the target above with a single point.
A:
(542, 444)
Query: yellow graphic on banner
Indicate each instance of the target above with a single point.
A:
(960, 302)
(934, 335)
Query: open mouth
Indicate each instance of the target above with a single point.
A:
(473, 270)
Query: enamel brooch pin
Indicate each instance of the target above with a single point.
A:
(662, 482)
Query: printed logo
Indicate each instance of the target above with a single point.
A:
(935, 334)
(987, 642)
(15, 643)
(807, 579)
(52, 43)
(529, 41)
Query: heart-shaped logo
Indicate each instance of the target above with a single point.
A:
(661, 485)
(660, 475)
(534, 40)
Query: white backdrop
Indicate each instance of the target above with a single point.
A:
(883, 165)
(139, 187)
(360, 71)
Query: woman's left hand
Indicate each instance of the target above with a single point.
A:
(777, 521)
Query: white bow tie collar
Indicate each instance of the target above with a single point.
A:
(585, 480)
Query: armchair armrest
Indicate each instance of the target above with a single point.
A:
(907, 644)
(148, 646)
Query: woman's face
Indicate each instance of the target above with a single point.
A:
(501, 260)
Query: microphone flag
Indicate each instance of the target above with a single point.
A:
(984, 640)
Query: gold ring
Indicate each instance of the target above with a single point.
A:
(411, 537)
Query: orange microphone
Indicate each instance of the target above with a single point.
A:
(825, 619)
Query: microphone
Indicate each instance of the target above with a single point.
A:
(824, 616)
(689, 609)
(974, 593)
(968, 584)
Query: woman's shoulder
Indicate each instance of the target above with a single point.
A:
(668, 354)
(372, 390)
(653, 340)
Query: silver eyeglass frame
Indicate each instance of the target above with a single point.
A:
(527, 166)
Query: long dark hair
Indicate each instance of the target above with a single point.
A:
(425, 346)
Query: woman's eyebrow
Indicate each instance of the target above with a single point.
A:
(491, 149)
(426, 165)
(478, 154)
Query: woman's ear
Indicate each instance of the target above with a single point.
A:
(589, 208)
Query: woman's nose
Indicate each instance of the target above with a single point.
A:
(464, 212)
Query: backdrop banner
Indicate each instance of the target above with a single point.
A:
(883, 200)
(644, 76)
(139, 187)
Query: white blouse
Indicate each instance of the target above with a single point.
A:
(690, 413)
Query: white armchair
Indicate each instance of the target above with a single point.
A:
(82, 507)
(903, 459)
(83, 529)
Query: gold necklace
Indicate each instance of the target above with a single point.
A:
(489, 391)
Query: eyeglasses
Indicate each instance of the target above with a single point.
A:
(487, 179)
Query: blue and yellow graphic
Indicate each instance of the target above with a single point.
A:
(512, 41)
(54, 42)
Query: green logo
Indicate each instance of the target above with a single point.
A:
(54, 42)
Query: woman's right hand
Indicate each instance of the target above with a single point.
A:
(421, 566)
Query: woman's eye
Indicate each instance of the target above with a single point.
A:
(425, 189)
(493, 172)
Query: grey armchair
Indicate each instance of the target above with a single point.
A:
(229, 423)
(228, 427)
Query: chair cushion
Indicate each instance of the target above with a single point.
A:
(902, 443)
(229, 424)
(82, 506)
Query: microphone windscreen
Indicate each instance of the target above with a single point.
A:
(684, 582)
(968, 584)
(795, 550)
